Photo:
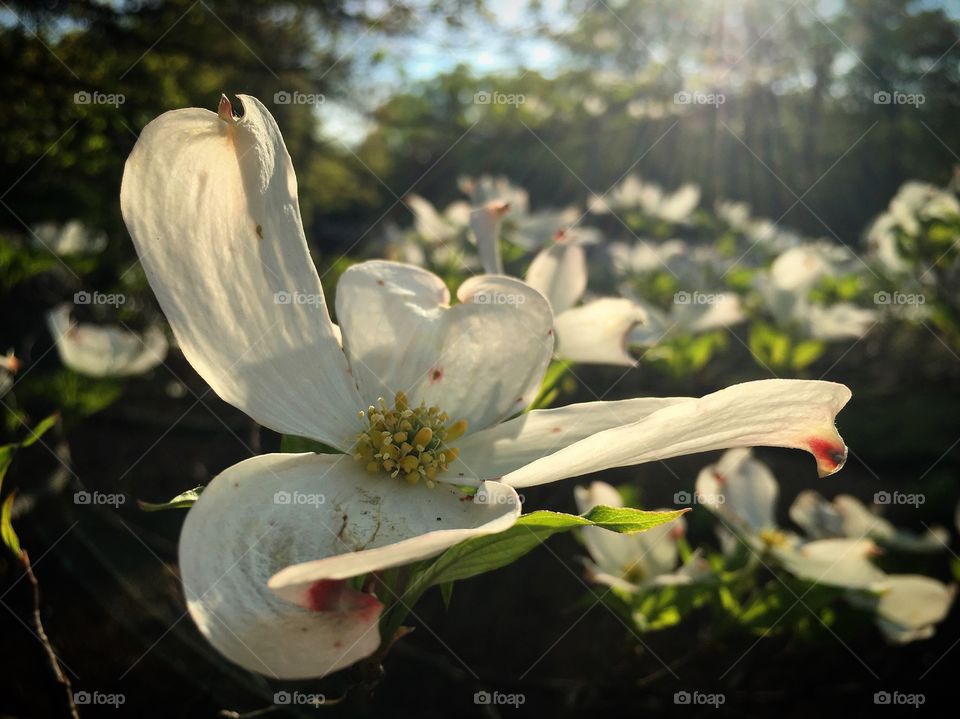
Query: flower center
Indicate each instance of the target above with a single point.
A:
(408, 442)
(773, 537)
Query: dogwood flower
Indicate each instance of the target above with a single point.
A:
(675, 207)
(847, 516)
(743, 492)
(417, 393)
(633, 562)
(786, 285)
(70, 238)
(104, 351)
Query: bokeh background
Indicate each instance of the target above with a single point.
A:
(378, 101)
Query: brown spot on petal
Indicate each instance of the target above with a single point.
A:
(260, 231)
(436, 374)
(556, 430)
(380, 282)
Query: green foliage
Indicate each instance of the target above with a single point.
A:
(184, 500)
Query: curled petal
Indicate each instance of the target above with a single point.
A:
(779, 413)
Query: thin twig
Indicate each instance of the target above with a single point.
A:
(44, 639)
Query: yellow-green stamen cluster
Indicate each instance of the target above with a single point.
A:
(408, 442)
(773, 537)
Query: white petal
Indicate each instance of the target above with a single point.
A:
(779, 413)
(105, 351)
(510, 445)
(816, 516)
(910, 604)
(212, 207)
(740, 488)
(403, 524)
(485, 223)
(255, 518)
(559, 273)
(430, 225)
(725, 310)
(840, 321)
(833, 562)
(597, 331)
(481, 360)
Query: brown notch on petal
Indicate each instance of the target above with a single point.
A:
(830, 456)
(336, 595)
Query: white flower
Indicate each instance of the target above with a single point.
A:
(210, 200)
(105, 351)
(743, 492)
(846, 516)
(434, 228)
(632, 562)
(675, 207)
(70, 238)
(786, 285)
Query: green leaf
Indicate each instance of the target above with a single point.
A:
(629, 521)
(446, 593)
(181, 501)
(6, 526)
(806, 352)
(41, 429)
(291, 444)
(6, 457)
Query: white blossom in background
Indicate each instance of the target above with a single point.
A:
(847, 516)
(423, 398)
(743, 492)
(633, 193)
(69, 238)
(105, 350)
(785, 288)
(634, 562)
